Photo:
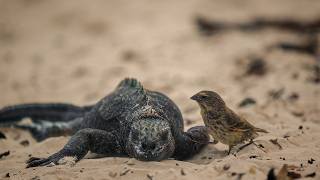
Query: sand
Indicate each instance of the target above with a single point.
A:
(77, 51)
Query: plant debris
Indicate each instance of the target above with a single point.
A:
(294, 175)
(311, 161)
(293, 96)
(2, 136)
(35, 178)
(247, 101)
(276, 94)
(7, 153)
(275, 142)
(261, 146)
(257, 66)
(25, 143)
(310, 46)
(149, 176)
(210, 27)
(124, 172)
(297, 113)
(239, 175)
(311, 175)
(207, 27)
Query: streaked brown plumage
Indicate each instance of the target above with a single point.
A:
(223, 124)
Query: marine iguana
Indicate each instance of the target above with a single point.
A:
(130, 121)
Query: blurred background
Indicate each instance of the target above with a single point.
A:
(77, 51)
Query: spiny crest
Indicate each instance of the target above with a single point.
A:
(131, 83)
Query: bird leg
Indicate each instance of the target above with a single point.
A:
(250, 142)
(230, 148)
(245, 145)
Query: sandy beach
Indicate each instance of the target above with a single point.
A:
(77, 51)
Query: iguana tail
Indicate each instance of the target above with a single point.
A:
(49, 112)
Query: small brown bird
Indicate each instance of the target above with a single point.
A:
(223, 124)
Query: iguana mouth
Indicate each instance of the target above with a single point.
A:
(157, 155)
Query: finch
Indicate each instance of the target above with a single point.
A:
(223, 124)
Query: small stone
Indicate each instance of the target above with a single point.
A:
(252, 170)
(226, 167)
(183, 173)
(131, 162)
(112, 174)
(149, 176)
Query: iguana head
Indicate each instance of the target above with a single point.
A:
(150, 139)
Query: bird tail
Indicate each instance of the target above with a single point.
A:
(50, 112)
(261, 130)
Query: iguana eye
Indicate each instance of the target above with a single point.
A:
(134, 136)
(164, 136)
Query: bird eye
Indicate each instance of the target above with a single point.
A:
(203, 96)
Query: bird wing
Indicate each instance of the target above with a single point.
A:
(237, 123)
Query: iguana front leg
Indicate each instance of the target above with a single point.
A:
(191, 142)
(97, 141)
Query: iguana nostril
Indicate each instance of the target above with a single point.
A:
(152, 146)
(148, 146)
(144, 146)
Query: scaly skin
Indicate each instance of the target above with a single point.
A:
(131, 121)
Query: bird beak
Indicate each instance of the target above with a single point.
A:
(194, 97)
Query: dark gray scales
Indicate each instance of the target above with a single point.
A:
(131, 121)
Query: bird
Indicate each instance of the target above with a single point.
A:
(223, 124)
